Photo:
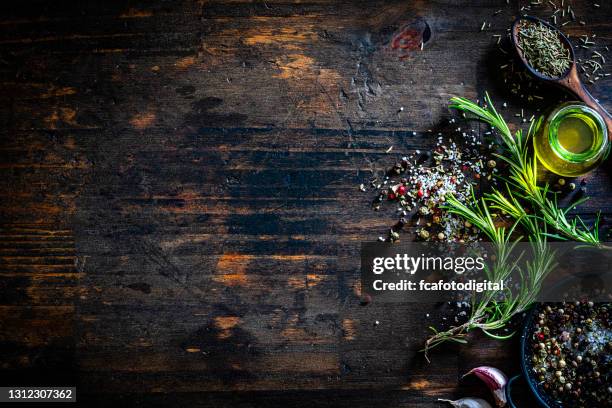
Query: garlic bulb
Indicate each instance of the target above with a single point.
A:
(467, 403)
(495, 380)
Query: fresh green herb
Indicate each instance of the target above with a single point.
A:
(543, 49)
(494, 310)
(533, 208)
(523, 177)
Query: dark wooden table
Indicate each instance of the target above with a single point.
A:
(180, 214)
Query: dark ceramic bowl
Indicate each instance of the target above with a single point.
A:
(526, 367)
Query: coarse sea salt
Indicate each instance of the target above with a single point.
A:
(426, 178)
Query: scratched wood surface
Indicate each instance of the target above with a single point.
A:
(180, 218)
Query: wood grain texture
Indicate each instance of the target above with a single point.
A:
(181, 221)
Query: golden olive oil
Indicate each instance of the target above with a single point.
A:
(576, 133)
(572, 141)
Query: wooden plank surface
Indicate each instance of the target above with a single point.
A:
(181, 222)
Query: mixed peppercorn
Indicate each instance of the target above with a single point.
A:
(570, 347)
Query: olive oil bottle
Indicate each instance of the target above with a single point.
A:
(572, 141)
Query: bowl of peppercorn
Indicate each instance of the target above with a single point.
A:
(566, 354)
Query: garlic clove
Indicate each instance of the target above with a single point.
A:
(467, 403)
(495, 379)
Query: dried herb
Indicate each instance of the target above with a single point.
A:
(543, 49)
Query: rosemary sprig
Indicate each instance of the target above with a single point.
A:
(493, 310)
(523, 176)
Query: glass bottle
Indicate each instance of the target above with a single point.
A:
(572, 140)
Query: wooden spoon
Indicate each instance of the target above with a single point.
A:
(571, 80)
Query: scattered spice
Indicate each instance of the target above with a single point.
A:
(420, 182)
